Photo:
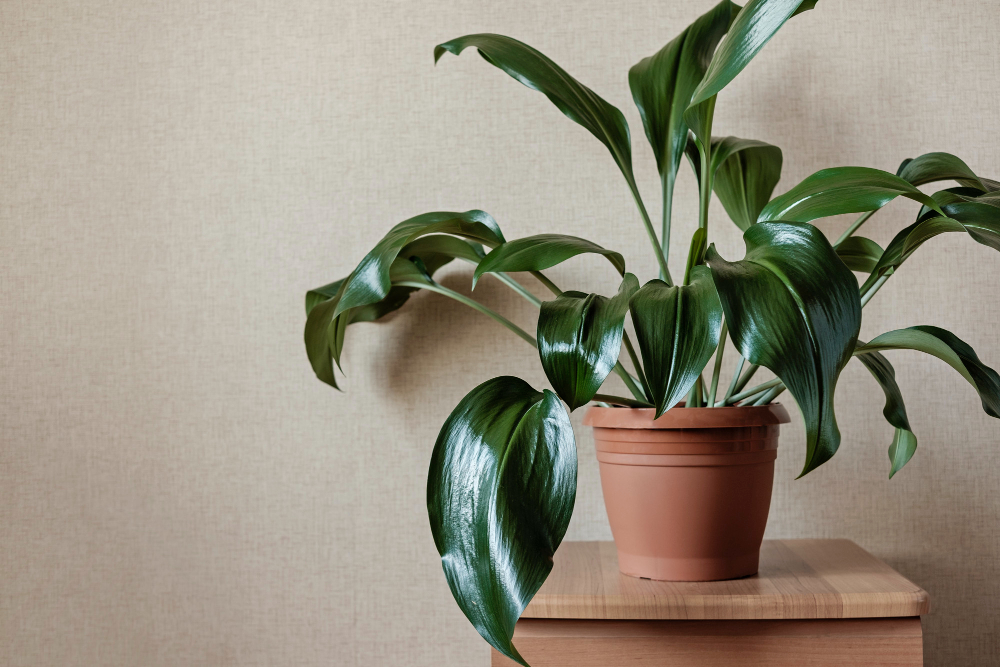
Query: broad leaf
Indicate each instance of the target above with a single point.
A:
(500, 494)
(981, 221)
(859, 253)
(538, 72)
(678, 329)
(841, 190)
(753, 27)
(932, 167)
(746, 172)
(536, 253)
(662, 86)
(949, 348)
(792, 306)
(580, 338)
(904, 442)
(369, 283)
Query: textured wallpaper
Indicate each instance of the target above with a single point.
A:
(176, 488)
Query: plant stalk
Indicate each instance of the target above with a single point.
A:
(746, 377)
(618, 400)
(736, 398)
(657, 250)
(770, 395)
(643, 382)
(718, 364)
(876, 287)
(854, 227)
(546, 282)
(668, 205)
(472, 303)
(732, 385)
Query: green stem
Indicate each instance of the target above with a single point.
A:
(618, 400)
(876, 287)
(668, 205)
(732, 385)
(517, 287)
(546, 282)
(705, 187)
(657, 250)
(736, 398)
(854, 227)
(694, 396)
(746, 377)
(770, 395)
(461, 298)
(629, 382)
(635, 364)
(718, 364)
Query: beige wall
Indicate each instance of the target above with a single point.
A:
(175, 486)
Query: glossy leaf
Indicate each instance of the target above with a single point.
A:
(753, 27)
(746, 172)
(580, 338)
(904, 442)
(981, 221)
(949, 348)
(932, 167)
(662, 85)
(677, 328)
(500, 494)
(536, 253)
(841, 190)
(792, 306)
(369, 283)
(536, 71)
(859, 253)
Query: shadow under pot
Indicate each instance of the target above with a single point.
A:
(688, 494)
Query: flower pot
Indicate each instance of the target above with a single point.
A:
(688, 494)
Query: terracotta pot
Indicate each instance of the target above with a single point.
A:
(687, 495)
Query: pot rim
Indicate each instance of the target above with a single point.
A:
(679, 417)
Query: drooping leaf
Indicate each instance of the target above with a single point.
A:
(370, 283)
(500, 494)
(536, 71)
(753, 27)
(579, 339)
(746, 172)
(859, 253)
(677, 328)
(662, 86)
(981, 221)
(793, 307)
(949, 348)
(536, 253)
(841, 190)
(904, 442)
(932, 167)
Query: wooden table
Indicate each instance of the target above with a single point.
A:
(814, 603)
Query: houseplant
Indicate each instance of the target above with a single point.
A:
(502, 480)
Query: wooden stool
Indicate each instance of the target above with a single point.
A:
(814, 603)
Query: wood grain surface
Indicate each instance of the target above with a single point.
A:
(798, 579)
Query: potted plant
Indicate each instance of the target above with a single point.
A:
(687, 488)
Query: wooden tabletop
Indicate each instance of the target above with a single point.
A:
(797, 579)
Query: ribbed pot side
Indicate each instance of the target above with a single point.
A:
(687, 495)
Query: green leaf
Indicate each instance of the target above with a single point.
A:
(745, 173)
(662, 85)
(932, 167)
(580, 338)
(859, 253)
(538, 72)
(753, 27)
(369, 283)
(500, 494)
(677, 328)
(980, 220)
(904, 442)
(949, 348)
(536, 253)
(793, 307)
(841, 190)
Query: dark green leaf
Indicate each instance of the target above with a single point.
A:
(949, 348)
(932, 167)
(536, 253)
(840, 190)
(753, 27)
(793, 307)
(662, 86)
(579, 339)
(500, 494)
(746, 172)
(574, 99)
(677, 328)
(370, 283)
(859, 254)
(981, 221)
(904, 442)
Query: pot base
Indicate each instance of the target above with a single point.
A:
(688, 569)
